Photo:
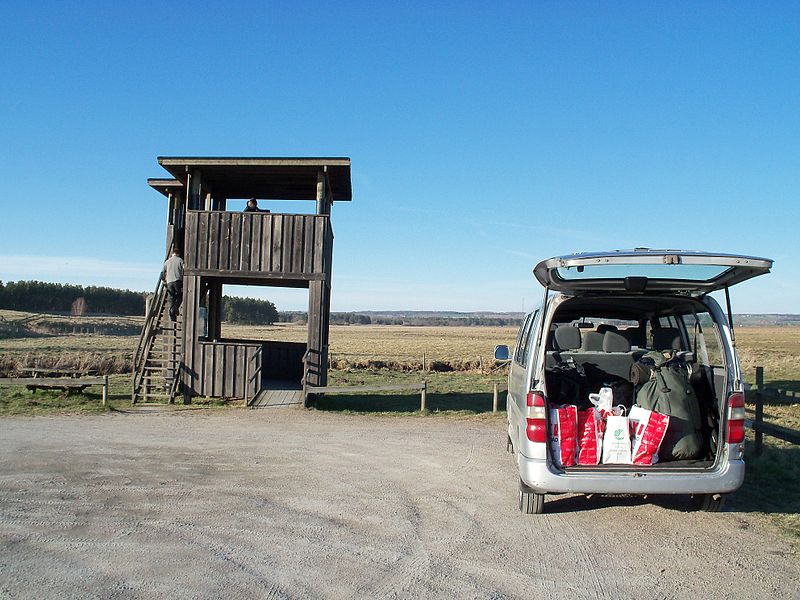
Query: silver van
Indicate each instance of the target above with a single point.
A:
(601, 312)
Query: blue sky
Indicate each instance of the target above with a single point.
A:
(484, 137)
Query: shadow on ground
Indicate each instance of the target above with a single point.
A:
(404, 403)
(771, 486)
(579, 503)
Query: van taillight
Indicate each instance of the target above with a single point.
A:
(535, 399)
(736, 416)
(536, 429)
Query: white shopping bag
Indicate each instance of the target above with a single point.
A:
(603, 401)
(617, 441)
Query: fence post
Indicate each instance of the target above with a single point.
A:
(422, 396)
(494, 398)
(105, 389)
(480, 362)
(759, 437)
(424, 367)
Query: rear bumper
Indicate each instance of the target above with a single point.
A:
(536, 474)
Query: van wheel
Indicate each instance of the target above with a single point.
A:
(708, 502)
(530, 503)
(509, 445)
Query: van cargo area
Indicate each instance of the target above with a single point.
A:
(596, 342)
(625, 379)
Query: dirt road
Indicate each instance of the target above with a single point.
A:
(301, 504)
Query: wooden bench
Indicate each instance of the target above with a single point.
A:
(36, 372)
(68, 384)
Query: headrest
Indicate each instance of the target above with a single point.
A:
(667, 338)
(551, 337)
(636, 336)
(615, 342)
(592, 341)
(603, 327)
(567, 337)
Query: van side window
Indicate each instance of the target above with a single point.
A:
(522, 329)
(668, 322)
(532, 336)
(524, 342)
(709, 347)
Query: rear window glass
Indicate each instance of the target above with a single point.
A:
(595, 322)
(680, 272)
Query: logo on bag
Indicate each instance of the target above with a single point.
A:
(618, 434)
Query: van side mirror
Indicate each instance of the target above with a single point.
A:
(501, 353)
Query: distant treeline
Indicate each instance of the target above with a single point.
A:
(336, 318)
(354, 318)
(248, 311)
(39, 296)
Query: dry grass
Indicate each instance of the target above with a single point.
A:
(395, 340)
(396, 346)
(58, 344)
(777, 349)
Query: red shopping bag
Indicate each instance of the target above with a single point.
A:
(650, 428)
(590, 436)
(564, 434)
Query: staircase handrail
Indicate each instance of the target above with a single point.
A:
(152, 313)
(306, 356)
(258, 358)
(147, 335)
(173, 390)
(304, 380)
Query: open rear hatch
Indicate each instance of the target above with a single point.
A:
(645, 270)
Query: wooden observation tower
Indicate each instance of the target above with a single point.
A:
(222, 247)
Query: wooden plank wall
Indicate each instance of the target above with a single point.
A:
(260, 242)
(191, 302)
(226, 369)
(317, 333)
(221, 370)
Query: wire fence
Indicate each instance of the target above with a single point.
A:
(761, 395)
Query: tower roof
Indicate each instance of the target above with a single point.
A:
(260, 177)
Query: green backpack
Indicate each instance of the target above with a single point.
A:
(663, 386)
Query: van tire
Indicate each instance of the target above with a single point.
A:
(530, 503)
(708, 502)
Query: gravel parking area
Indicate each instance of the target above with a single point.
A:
(305, 504)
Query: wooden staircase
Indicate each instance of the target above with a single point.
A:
(156, 365)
